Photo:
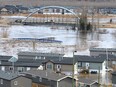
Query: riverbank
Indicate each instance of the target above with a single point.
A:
(104, 20)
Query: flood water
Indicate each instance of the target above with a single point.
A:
(71, 40)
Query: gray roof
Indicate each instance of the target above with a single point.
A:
(93, 59)
(7, 75)
(103, 49)
(21, 64)
(40, 54)
(110, 56)
(46, 74)
(78, 58)
(87, 81)
(4, 57)
(68, 61)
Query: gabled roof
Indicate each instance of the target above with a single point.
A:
(47, 74)
(87, 81)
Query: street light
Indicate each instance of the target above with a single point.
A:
(73, 69)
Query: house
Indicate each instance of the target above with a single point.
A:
(91, 63)
(98, 51)
(9, 9)
(62, 66)
(114, 79)
(111, 60)
(27, 62)
(14, 80)
(22, 9)
(46, 78)
(21, 65)
(4, 59)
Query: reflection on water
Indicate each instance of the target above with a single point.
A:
(72, 40)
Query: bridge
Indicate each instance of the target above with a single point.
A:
(38, 17)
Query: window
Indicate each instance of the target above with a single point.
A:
(3, 68)
(20, 69)
(40, 79)
(44, 58)
(58, 66)
(28, 68)
(49, 66)
(1, 81)
(10, 68)
(15, 83)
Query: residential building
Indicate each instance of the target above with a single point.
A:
(91, 63)
(22, 9)
(21, 65)
(9, 9)
(63, 66)
(14, 80)
(4, 59)
(111, 58)
(46, 78)
(27, 62)
(76, 64)
(98, 51)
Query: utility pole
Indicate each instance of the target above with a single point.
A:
(107, 66)
(92, 23)
(97, 23)
(73, 70)
(99, 78)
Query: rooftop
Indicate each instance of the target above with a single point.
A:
(87, 81)
(7, 75)
(95, 59)
(40, 54)
(103, 49)
(47, 74)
